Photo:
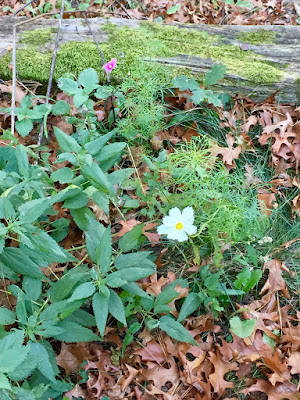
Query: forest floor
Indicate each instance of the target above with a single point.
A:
(150, 243)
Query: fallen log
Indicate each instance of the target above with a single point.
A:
(260, 60)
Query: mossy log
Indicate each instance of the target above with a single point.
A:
(260, 60)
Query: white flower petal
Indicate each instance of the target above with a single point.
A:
(188, 215)
(176, 214)
(164, 230)
(190, 229)
(181, 236)
(169, 221)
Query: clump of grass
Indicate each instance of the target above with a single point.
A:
(226, 208)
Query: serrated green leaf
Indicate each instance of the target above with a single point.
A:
(82, 317)
(22, 160)
(61, 107)
(96, 177)
(80, 98)
(43, 362)
(184, 83)
(175, 330)
(131, 239)
(12, 351)
(7, 317)
(31, 210)
(116, 307)
(24, 369)
(97, 145)
(64, 286)
(62, 175)
(94, 233)
(83, 291)
(190, 304)
(66, 142)
(103, 253)
(216, 73)
(4, 382)
(132, 274)
(24, 127)
(79, 201)
(173, 9)
(74, 333)
(241, 328)
(100, 308)
(81, 216)
(88, 79)
(129, 335)
(13, 258)
(67, 85)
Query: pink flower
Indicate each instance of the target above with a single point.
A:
(108, 67)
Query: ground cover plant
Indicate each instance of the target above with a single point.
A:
(149, 244)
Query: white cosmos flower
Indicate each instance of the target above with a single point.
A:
(178, 225)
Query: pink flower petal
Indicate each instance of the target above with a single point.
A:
(108, 67)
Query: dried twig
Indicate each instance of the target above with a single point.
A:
(23, 7)
(40, 138)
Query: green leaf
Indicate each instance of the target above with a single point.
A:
(109, 155)
(94, 233)
(120, 175)
(7, 210)
(135, 290)
(116, 307)
(165, 297)
(134, 260)
(78, 201)
(24, 369)
(241, 328)
(15, 259)
(216, 73)
(61, 107)
(175, 330)
(80, 98)
(12, 351)
(102, 199)
(100, 308)
(29, 212)
(43, 362)
(62, 175)
(88, 79)
(96, 177)
(67, 85)
(81, 216)
(66, 142)
(190, 304)
(103, 253)
(131, 239)
(74, 333)
(4, 382)
(64, 286)
(133, 274)
(82, 317)
(129, 335)
(173, 9)
(184, 83)
(22, 160)
(24, 127)
(83, 291)
(97, 145)
(7, 317)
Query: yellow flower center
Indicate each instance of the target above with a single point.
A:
(110, 66)
(179, 226)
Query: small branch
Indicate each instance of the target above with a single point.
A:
(23, 7)
(40, 138)
(14, 80)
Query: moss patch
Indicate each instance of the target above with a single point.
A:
(37, 37)
(149, 40)
(260, 36)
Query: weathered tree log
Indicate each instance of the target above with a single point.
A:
(260, 59)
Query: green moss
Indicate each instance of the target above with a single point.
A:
(147, 41)
(259, 36)
(37, 37)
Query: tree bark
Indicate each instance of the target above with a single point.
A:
(284, 52)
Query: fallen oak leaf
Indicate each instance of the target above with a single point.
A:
(280, 391)
(294, 362)
(220, 369)
(275, 281)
